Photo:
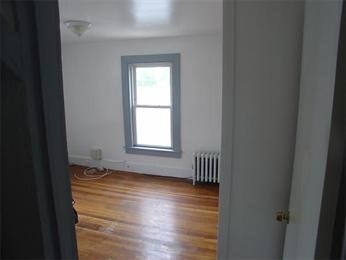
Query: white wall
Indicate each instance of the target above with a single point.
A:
(93, 100)
(262, 58)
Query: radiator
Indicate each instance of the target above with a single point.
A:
(206, 167)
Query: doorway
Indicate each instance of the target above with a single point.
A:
(142, 90)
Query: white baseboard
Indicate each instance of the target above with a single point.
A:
(151, 169)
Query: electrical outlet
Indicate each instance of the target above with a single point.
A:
(96, 154)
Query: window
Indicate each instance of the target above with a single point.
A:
(151, 93)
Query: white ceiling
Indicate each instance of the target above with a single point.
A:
(124, 19)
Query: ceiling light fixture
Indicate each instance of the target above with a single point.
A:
(77, 27)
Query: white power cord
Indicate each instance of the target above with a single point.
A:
(92, 173)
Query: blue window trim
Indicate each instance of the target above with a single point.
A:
(130, 147)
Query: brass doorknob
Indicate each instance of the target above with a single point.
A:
(283, 216)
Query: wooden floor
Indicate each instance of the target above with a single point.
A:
(133, 216)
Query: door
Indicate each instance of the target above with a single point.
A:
(35, 195)
(319, 57)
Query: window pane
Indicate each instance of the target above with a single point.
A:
(153, 126)
(153, 86)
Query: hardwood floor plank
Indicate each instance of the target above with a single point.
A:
(134, 216)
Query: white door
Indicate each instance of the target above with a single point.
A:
(321, 34)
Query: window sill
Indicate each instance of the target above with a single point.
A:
(153, 151)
